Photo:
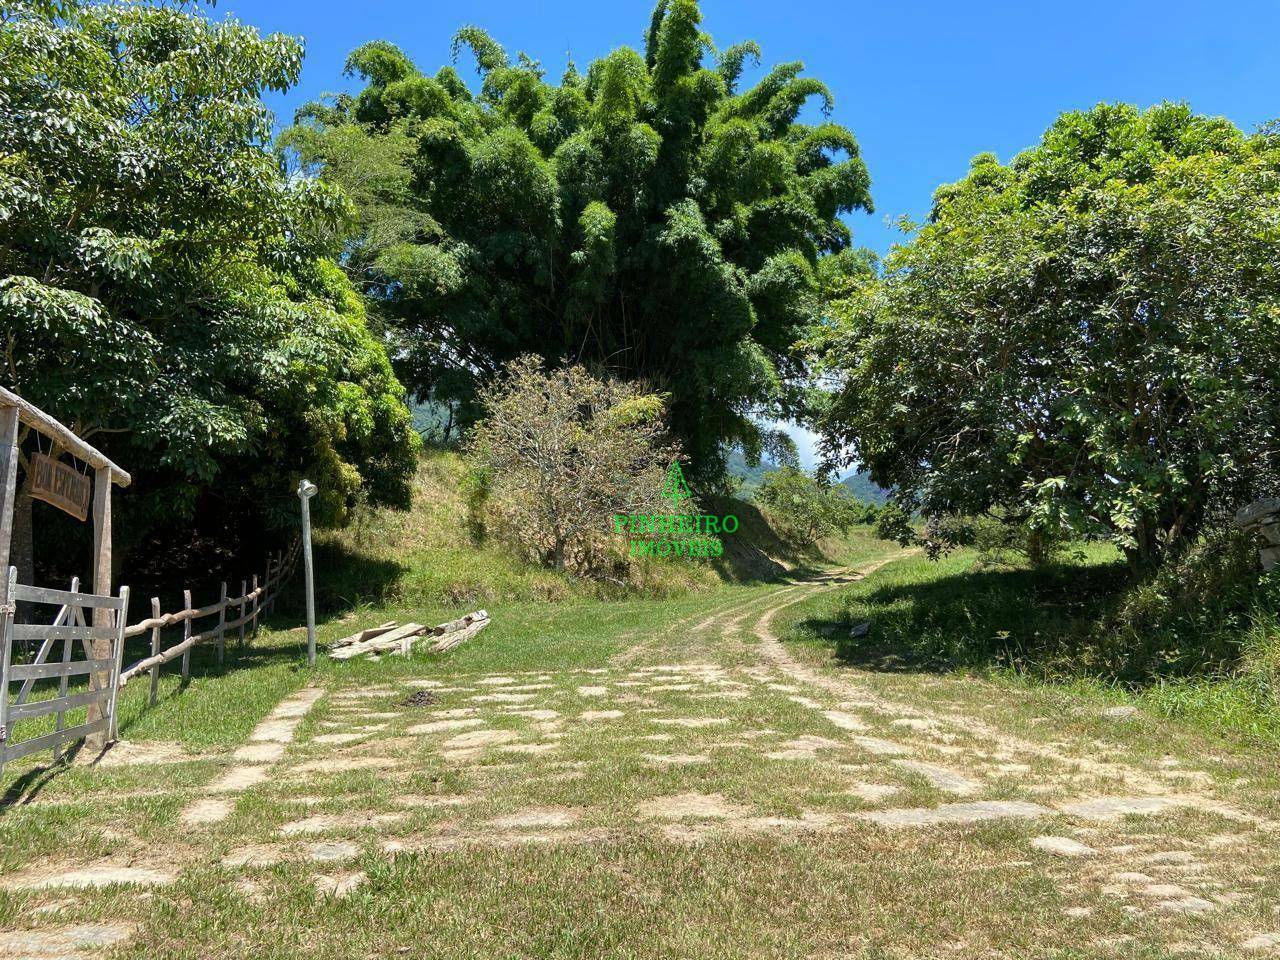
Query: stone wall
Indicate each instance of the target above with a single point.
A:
(1263, 519)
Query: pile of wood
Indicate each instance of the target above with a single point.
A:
(395, 638)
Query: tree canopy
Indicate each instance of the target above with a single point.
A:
(165, 290)
(646, 217)
(1085, 339)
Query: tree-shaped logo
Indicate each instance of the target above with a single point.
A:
(673, 487)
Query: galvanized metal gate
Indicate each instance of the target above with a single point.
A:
(97, 672)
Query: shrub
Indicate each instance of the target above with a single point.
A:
(559, 452)
(806, 510)
(999, 541)
(1192, 614)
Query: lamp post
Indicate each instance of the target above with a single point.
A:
(307, 490)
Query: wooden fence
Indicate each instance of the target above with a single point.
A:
(255, 597)
(103, 647)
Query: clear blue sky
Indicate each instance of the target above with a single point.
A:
(924, 86)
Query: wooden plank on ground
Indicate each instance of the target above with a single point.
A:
(391, 640)
(362, 635)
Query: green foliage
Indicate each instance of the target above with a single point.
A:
(997, 540)
(805, 510)
(1085, 339)
(560, 453)
(164, 289)
(1191, 615)
(643, 218)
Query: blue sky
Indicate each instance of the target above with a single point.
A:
(924, 86)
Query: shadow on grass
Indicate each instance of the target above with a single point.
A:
(346, 578)
(1039, 620)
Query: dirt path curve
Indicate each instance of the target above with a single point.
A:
(989, 736)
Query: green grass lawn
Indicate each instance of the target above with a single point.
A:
(714, 772)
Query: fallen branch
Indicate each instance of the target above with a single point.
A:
(381, 642)
(389, 638)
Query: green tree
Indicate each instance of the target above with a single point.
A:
(646, 218)
(164, 287)
(805, 510)
(1085, 339)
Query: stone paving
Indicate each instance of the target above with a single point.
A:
(675, 751)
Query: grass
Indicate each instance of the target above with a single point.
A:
(953, 671)
(615, 882)
(1041, 627)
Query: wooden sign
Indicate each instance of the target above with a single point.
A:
(60, 485)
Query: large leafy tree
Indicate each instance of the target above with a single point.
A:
(1086, 339)
(647, 218)
(163, 287)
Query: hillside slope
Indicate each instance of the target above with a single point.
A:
(429, 554)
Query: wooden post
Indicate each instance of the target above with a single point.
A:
(257, 606)
(222, 624)
(186, 635)
(244, 588)
(8, 489)
(122, 620)
(155, 651)
(6, 648)
(273, 581)
(102, 587)
(66, 658)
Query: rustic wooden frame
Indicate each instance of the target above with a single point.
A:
(14, 412)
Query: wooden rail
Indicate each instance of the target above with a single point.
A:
(68, 627)
(248, 607)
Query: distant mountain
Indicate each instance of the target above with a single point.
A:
(860, 485)
(751, 477)
(858, 482)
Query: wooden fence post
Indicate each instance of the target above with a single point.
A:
(155, 651)
(122, 621)
(273, 566)
(222, 624)
(257, 606)
(8, 489)
(186, 635)
(243, 590)
(101, 648)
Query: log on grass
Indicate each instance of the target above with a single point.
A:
(390, 640)
(456, 637)
(360, 636)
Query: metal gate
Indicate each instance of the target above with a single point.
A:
(97, 672)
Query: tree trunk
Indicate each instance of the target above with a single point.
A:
(559, 554)
(1035, 547)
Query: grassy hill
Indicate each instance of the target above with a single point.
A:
(427, 555)
(862, 487)
(750, 478)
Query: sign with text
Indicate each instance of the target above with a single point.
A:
(60, 485)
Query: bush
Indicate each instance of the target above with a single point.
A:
(1192, 615)
(999, 541)
(805, 510)
(558, 453)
